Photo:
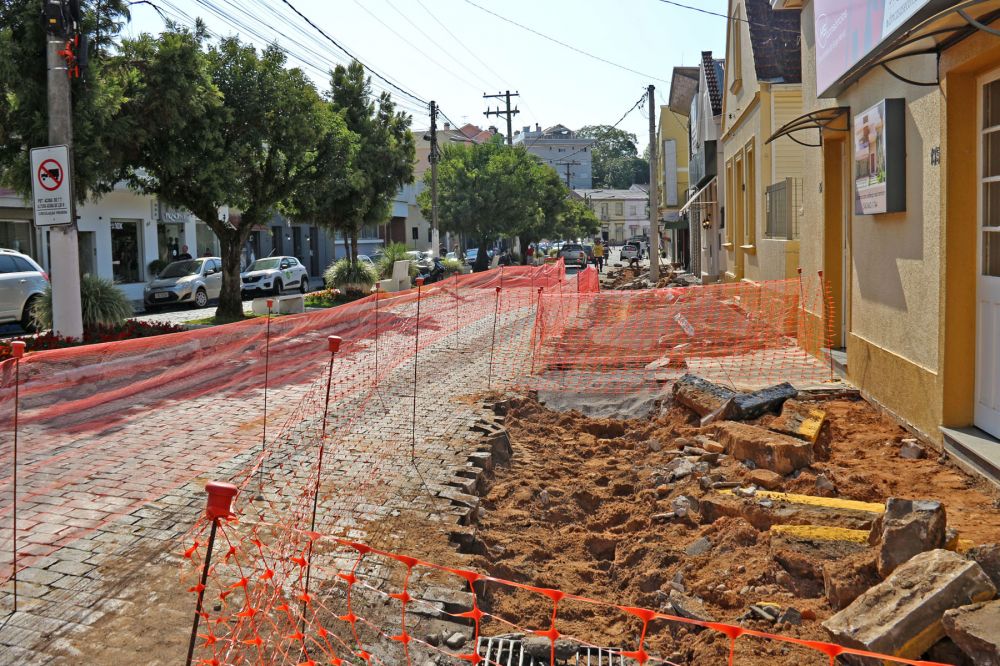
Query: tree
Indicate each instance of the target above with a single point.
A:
(381, 163)
(99, 144)
(226, 126)
(576, 220)
(616, 162)
(491, 191)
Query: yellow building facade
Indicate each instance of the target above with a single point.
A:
(672, 174)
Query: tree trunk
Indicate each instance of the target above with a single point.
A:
(354, 246)
(482, 258)
(230, 299)
(347, 246)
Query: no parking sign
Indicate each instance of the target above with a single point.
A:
(51, 186)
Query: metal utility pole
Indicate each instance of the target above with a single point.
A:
(568, 165)
(654, 223)
(433, 159)
(64, 266)
(508, 112)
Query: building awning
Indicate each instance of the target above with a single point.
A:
(931, 36)
(697, 195)
(832, 119)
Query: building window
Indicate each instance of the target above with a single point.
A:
(207, 243)
(562, 150)
(782, 201)
(169, 238)
(619, 208)
(750, 226)
(604, 211)
(126, 251)
(730, 197)
(277, 242)
(415, 233)
(631, 211)
(16, 235)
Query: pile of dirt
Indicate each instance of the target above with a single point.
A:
(604, 508)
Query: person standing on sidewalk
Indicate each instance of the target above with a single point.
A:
(599, 256)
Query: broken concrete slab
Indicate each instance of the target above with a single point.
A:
(946, 652)
(698, 547)
(901, 616)
(541, 647)
(804, 553)
(770, 450)
(786, 509)
(799, 419)
(910, 449)
(746, 406)
(906, 528)
(976, 630)
(701, 395)
(688, 607)
(988, 557)
(765, 478)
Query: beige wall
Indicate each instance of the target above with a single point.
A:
(786, 105)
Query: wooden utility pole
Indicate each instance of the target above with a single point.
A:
(654, 223)
(568, 165)
(433, 159)
(508, 112)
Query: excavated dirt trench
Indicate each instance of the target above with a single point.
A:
(581, 509)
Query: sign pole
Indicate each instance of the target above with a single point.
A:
(64, 266)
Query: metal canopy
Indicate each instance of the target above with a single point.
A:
(821, 119)
(693, 201)
(931, 36)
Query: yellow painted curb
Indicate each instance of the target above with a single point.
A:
(810, 427)
(823, 533)
(810, 500)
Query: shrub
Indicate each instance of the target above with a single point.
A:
(102, 303)
(391, 254)
(451, 266)
(349, 277)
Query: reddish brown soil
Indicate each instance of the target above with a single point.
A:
(595, 535)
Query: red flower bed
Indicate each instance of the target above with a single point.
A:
(93, 335)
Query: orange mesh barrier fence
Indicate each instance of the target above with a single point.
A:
(106, 428)
(269, 594)
(745, 335)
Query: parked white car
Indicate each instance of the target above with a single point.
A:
(273, 275)
(22, 282)
(190, 281)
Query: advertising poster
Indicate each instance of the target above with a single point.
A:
(848, 30)
(880, 159)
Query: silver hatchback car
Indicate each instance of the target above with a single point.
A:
(191, 281)
(22, 282)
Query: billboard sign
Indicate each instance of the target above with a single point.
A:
(880, 158)
(848, 30)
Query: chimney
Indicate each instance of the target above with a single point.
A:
(538, 128)
(447, 126)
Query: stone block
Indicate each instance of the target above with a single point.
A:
(846, 579)
(906, 528)
(976, 630)
(769, 450)
(765, 478)
(799, 419)
(901, 616)
(700, 395)
(988, 557)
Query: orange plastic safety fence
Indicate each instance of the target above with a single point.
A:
(298, 597)
(746, 335)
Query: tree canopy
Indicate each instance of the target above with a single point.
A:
(615, 158)
(490, 191)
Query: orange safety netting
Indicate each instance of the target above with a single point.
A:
(276, 595)
(746, 335)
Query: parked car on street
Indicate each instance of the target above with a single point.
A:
(573, 254)
(642, 242)
(275, 274)
(366, 260)
(191, 282)
(589, 249)
(22, 282)
(631, 251)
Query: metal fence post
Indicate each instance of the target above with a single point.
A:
(17, 353)
(263, 437)
(493, 344)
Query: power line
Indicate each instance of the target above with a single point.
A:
(564, 44)
(639, 102)
(742, 20)
(458, 41)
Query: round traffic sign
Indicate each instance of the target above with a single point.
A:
(50, 175)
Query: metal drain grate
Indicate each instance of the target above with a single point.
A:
(509, 651)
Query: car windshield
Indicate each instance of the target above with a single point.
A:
(265, 264)
(181, 269)
(572, 248)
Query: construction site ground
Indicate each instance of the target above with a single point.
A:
(580, 508)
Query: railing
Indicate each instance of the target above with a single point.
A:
(783, 201)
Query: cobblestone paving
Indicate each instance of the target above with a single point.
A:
(102, 505)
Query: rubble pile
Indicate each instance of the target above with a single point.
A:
(748, 507)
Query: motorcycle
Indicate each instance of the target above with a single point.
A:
(431, 270)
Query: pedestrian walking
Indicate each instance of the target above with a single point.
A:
(599, 256)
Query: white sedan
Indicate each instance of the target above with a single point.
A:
(275, 274)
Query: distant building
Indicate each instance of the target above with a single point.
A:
(623, 213)
(563, 150)
(672, 143)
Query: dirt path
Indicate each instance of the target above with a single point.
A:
(579, 510)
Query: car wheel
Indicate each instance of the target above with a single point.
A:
(278, 288)
(27, 320)
(200, 298)
(304, 285)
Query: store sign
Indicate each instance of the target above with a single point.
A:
(880, 158)
(848, 30)
(168, 214)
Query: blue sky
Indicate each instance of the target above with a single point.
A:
(483, 53)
